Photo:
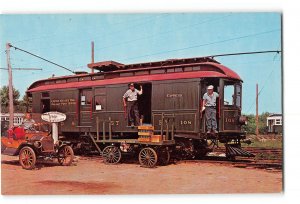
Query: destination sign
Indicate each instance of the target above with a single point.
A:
(54, 117)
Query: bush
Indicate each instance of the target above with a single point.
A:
(251, 125)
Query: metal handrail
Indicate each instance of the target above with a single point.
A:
(103, 128)
(163, 116)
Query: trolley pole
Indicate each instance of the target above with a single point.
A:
(10, 87)
(93, 55)
(256, 120)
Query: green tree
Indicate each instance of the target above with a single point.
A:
(250, 127)
(5, 99)
(23, 104)
(251, 123)
(262, 123)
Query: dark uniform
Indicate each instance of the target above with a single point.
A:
(132, 106)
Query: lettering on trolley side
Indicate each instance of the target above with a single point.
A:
(185, 122)
(174, 95)
(181, 122)
(229, 120)
(114, 123)
(62, 102)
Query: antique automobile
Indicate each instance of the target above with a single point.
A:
(33, 145)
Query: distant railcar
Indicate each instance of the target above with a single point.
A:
(171, 104)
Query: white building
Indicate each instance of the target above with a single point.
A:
(274, 123)
(18, 118)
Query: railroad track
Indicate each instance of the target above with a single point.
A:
(266, 158)
(255, 150)
(238, 163)
(258, 163)
(245, 163)
(259, 149)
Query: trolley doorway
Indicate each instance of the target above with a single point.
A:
(85, 108)
(144, 102)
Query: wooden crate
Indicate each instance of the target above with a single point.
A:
(148, 133)
(145, 133)
(144, 139)
(144, 127)
(156, 138)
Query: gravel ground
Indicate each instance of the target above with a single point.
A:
(91, 176)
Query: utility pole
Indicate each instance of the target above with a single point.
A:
(93, 56)
(10, 87)
(256, 120)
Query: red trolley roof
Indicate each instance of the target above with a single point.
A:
(116, 73)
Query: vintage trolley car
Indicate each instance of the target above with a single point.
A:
(170, 108)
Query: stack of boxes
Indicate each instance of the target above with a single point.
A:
(146, 134)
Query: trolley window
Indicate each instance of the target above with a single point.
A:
(86, 97)
(238, 95)
(229, 95)
(233, 94)
(100, 102)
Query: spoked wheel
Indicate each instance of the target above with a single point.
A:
(148, 157)
(27, 158)
(163, 156)
(111, 155)
(65, 155)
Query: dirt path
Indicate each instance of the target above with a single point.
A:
(91, 176)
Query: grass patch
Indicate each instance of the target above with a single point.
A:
(265, 143)
(267, 156)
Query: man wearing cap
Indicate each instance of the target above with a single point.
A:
(132, 106)
(209, 104)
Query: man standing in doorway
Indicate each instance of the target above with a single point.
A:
(132, 104)
(209, 102)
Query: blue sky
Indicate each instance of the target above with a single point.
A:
(131, 38)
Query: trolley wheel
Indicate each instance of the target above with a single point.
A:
(111, 155)
(27, 158)
(148, 157)
(164, 157)
(65, 155)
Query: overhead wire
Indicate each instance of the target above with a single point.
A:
(137, 19)
(2, 68)
(174, 50)
(145, 37)
(154, 35)
(30, 53)
(264, 84)
(204, 44)
(186, 47)
(143, 23)
(165, 32)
